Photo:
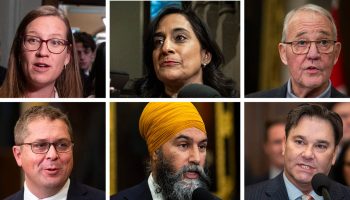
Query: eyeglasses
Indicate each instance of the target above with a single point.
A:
(54, 45)
(43, 147)
(303, 46)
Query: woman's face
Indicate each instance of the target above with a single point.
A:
(177, 53)
(42, 67)
(346, 167)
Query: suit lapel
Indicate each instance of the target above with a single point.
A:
(276, 189)
(76, 192)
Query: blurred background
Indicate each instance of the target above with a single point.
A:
(222, 124)
(263, 31)
(88, 124)
(130, 19)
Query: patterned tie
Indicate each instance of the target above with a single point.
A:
(307, 197)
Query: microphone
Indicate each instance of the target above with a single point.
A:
(197, 91)
(321, 183)
(202, 194)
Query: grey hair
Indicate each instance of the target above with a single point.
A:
(312, 8)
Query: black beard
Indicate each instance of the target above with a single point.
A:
(172, 185)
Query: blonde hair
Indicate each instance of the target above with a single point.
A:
(68, 84)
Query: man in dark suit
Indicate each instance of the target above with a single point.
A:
(44, 150)
(176, 139)
(309, 49)
(312, 137)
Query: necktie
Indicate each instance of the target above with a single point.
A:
(307, 197)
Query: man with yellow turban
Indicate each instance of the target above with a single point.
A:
(177, 140)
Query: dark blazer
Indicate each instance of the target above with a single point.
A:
(138, 192)
(76, 191)
(276, 189)
(281, 92)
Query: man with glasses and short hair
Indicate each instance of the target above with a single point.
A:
(44, 150)
(310, 49)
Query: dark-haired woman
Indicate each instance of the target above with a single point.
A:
(178, 50)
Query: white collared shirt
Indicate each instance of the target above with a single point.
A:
(61, 195)
(153, 187)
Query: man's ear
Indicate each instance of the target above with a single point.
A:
(335, 153)
(284, 145)
(17, 153)
(282, 48)
(155, 155)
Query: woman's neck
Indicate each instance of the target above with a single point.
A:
(173, 90)
(45, 92)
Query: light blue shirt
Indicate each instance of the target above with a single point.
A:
(325, 94)
(294, 193)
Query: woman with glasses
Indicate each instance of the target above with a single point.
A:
(42, 61)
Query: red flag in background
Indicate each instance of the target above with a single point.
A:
(337, 77)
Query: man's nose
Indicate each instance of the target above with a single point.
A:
(313, 51)
(308, 152)
(194, 156)
(52, 153)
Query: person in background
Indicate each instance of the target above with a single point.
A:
(274, 136)
(42, 61)
(85, 46)
(178, 51)
(341, 170)
(98, 71)
(343, 110)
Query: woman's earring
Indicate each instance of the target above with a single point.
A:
(204, 64)
(65, 66)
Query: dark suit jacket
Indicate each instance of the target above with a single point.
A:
(75, 192)
(138, 192)
(276, 189)
(281, 92)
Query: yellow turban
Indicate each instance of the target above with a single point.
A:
(159, 122)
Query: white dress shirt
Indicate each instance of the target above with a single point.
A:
(61, 195)
(153, 187)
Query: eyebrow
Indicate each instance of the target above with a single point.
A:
(189, 138)
(50, 36)
(175, 30)
(317, 141)
(322, 32)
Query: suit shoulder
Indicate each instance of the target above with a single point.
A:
(82, 191)
(336, 94)
(273, 93)
(16, 196)
(340, 189)
(140, 191)
(98, 194)
(256, 191)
